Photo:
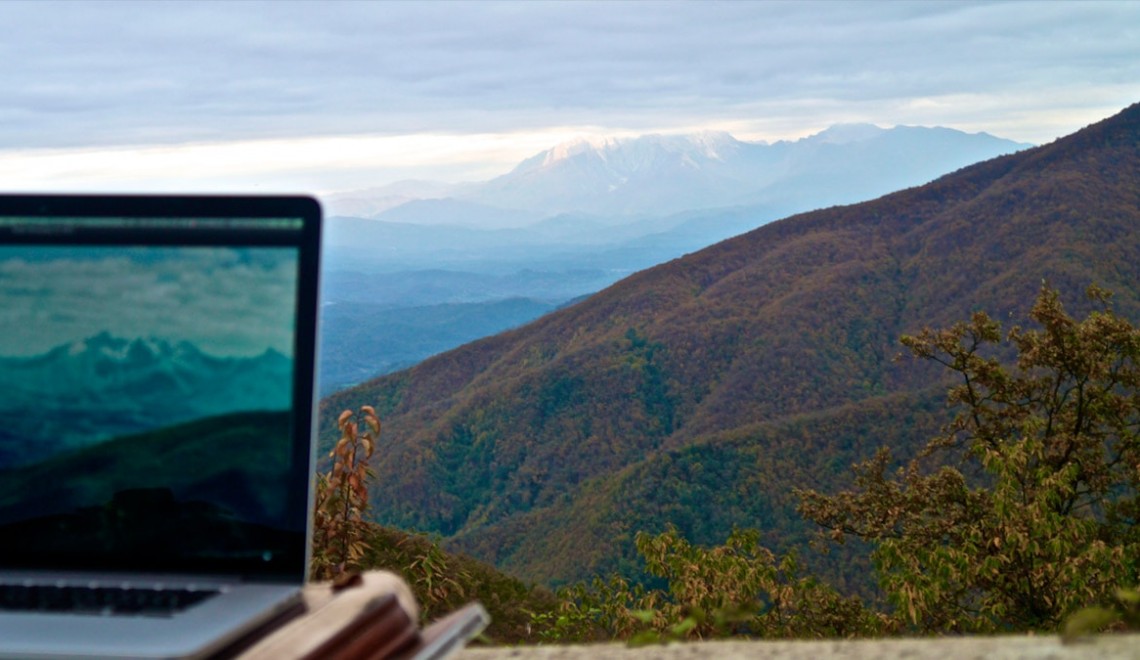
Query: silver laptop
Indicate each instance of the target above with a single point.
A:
(156, 420)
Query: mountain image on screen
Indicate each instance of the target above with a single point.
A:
(88, 391)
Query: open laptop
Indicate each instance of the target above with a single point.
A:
(156, 416)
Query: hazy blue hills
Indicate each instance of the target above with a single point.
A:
(87, 391)
(362, 340)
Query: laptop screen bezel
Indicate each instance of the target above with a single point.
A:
(251, 213)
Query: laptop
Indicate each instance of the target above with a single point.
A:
(156, 420)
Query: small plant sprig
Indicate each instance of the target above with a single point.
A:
(571, 625)
(432, 576)
(339, 527)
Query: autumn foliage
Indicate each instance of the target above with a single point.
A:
(1020, 515)
(340, 528)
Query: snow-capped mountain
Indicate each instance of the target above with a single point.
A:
(629, 155)
(665, 174)
(647, 175)
(106, 386)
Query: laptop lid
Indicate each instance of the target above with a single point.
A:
(157, 383)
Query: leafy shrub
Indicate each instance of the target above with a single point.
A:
(739, 588)
(1041, 518)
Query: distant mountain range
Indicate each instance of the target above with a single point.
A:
(578, 217)
(701, 391)
(659, 175)
(90, 390)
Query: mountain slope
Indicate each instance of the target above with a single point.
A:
(222, 472)
(83, 392)
(701, 391)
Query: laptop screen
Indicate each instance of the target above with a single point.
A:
(156, 384)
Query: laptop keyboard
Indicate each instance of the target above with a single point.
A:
(99, 600)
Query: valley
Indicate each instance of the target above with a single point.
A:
(574, 219)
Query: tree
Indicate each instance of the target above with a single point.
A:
(1025, 508)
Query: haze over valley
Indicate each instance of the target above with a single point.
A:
(576, 218)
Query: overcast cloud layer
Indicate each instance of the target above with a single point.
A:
(228, 302)
(132, 74)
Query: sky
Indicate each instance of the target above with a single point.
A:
(321, 97)
(227, 302)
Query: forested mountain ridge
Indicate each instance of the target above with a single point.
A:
(701, 391)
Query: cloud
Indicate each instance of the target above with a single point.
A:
(226, 301)
(116, 74)
(309, 164)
